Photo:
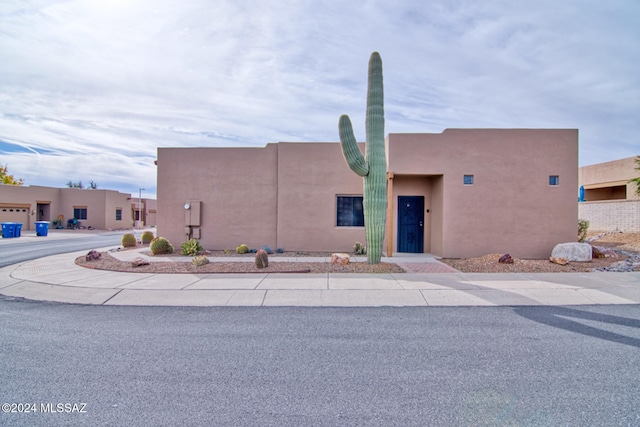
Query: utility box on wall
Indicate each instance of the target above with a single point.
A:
(192, 213)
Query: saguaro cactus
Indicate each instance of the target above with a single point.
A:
(373, 166)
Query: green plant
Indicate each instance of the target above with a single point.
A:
(373, 168)
(191, 247)
(160, 245)
(583, 226)
(200, 260)
(242, 249)
(147, 237)
(129, 240)
(359, 249)
(262, 259)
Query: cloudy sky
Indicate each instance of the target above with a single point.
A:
(89, 89)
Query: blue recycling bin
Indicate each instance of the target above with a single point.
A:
(8, 230)
(42, 228)
(18, 229)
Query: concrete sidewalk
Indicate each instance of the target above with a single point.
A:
(58, 278)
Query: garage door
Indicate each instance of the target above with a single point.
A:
(15, 214)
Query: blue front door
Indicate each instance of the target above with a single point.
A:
(411, 224)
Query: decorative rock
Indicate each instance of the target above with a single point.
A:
(93, 255)
(559, 261)
(340, 259)
(602, 252)
(506, 259)
(139, 262)
(573, 251)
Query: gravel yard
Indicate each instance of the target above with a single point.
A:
(627, 245)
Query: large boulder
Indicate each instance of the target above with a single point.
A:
(573, 251)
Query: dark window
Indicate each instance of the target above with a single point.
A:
(350, 212)
(80, 213)
(468, 180)
(118, 214)
(554, 180)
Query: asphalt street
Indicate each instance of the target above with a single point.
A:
(13, 251)
(447, 366)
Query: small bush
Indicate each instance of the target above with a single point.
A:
(279, 250)
(359, 249)
(147, 237)
(262, 259)
(200, 260)
(583, 227)
(242, 249)
(129, 240)
(267, 249)
(191, 247)
(160, 245)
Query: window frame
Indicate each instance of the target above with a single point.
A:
(354, 213)
(554, 180)
(79, 210)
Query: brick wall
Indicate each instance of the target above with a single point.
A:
(619, 215)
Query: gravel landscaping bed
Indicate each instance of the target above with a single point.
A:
(626, 245)
(110, 263)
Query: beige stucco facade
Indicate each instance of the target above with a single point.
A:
(27, 204)
(480, 191)
(609, 180)
(611, 202)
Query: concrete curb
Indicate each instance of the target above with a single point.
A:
(57, 278)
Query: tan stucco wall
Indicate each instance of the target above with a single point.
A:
(609, 180)
(236, 188)
(510, 207)
(284, 195)
(310, 176)
(101, 204)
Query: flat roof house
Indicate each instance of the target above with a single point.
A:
(460, 193)
(100, 209)
(610, 201)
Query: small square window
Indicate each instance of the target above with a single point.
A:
(554, 180)
(468, 180)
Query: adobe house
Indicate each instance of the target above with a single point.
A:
(100, 209)
(609, 201)
(460, 193)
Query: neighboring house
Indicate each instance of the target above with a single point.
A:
(610, 202)
(145, 211)
(100, 209)
(461, 193)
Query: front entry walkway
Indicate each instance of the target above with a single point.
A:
(420, 263)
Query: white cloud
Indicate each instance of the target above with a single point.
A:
(96, 87)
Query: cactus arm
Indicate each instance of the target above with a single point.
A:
(350, 149)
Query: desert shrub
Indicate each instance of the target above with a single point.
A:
(147, 237)
(129, 240)
(200, 260)
(242, 249)
(191, 247)
(267, 249)
(583, 227)
(160, 245)
(359, 249)
(280, 250)
(262, 259)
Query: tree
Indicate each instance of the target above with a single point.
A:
(72, 184)
(636, 181)
(9, 179)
